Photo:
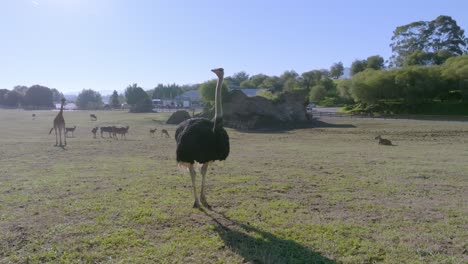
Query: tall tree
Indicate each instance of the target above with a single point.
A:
(428, 39)
(336, 70)
(12, 99)
(138, 99)
(89, 99)
(237, 78)
(21, 89)
(208, 90)
(114, 100)
(375, 62)
(56, 95)
(38, 96)
(358, 66)
(3, 92)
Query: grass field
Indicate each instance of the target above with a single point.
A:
(328, 194)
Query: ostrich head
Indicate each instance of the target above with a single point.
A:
(219, 72)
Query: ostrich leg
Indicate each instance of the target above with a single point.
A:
(193, 174)
(203, 170)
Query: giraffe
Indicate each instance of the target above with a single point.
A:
(59, 123)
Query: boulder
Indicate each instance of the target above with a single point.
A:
(243, 112)
(178, 117)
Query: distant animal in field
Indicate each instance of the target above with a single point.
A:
(383, 141)
(165, 133)
(152, 132)
(203, 141)
(122, 131)
(94, 131)
(33, 116)
(93, 117)
(70, 129)
(59, 126)
(107, 129)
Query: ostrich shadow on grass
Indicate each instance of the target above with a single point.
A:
(257, 246)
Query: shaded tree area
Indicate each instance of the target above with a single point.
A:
(427, 42)
(89, 99)
(115, 101)
(409, 89)
(169, 91)
(38, 96)
(138, 99)
(34, 97)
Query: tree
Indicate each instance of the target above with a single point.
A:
(114, 100)
(38, 96)
(21, 89)
(12, 99)
(254, 82)
(237, 78)
(336, 70)
(358, 66)
(3, 92)
(56, 95)
(138, 99)
(208, 90)
(428, 39)
(317, 93)
(273, 83)
(169, 91)
(375, 62)
(310, 78)
(89, 99)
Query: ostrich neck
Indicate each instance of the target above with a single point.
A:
(218, 118)
(61, 108)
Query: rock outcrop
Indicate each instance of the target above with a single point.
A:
(243, 112)
(178, 117)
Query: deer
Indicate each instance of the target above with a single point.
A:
(383, 141)
(107, 129)
(70, 129)
(120, 130)
(93, 117)
(164, 132)
(94, 131)
(152, 132)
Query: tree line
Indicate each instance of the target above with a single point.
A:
(428, 64)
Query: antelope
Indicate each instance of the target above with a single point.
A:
(383, 141)
(152, 132)
(93, 117)
(120, 130)
(70, 129)
(164, 132)
(94, 131)
(107, 129)
(34, 116)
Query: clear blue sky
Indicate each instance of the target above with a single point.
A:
(109, 44)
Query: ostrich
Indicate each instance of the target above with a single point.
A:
(203, 141)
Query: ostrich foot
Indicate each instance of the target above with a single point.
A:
(204, 202)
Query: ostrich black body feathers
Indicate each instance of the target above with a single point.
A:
(200, 140)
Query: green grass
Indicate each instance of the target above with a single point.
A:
(319, 195)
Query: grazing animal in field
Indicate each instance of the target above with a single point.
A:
(107, 129)
(165, 133)
(121, 131)
(94, 131)
(383, 141)
(59, 124)
(33, 116)
(70, 129)
(93, 117)
(203, 141)
(152, 132)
